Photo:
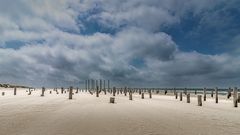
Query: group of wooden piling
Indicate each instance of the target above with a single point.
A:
(125, 91)
(236, 96)
(177, 93)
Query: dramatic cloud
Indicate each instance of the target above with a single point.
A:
(60, 42)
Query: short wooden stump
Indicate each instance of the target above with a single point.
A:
(112, 100)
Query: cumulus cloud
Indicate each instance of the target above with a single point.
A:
(56, 53)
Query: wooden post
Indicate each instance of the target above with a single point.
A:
(165, 92)
(176, 95)
(112, 100)
(62, 89)
(104, 87)
(130, 95)
(30, 92)
(229, 93)
(70, 92)
(15, 91)
(150, 94)
(180, 96)
(97, 92)
(86, 85)
(188, 97)
(235, 93)
(204, 94)
(43, 90)
(125, 91)
(142, 95)
(199, 100)
(3, 93)
(114, 91)
(100, 89)
(216, 96)
(195, 92)
(77, 90)
(211, 93)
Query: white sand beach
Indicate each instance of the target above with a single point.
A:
(55, 114)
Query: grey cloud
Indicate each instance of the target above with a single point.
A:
(67, 59)
(144, 44)
(151, 15)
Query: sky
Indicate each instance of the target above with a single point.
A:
(135, 43)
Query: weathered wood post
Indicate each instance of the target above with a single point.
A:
(125, 91)
(114, 91)
(62, 89)
(15, 90)
(85, 85)
(229, 93)
(235, 93)
(195, 92)
(97, 92)
(76, 90)
(165, 92)
(176, 95)
(130, 95)
(188, 97)
(150, 94)
(94, 85)
(216, 96)
(199, 100)
(30, 92)
(180, 96)
(70, 92)
(112, 100)
(204, 94)
(104, 87)
(43, 90)
(140, 91)
(142, 95)
(100, 89)
(211, 93)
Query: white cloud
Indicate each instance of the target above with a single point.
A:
(64, 58)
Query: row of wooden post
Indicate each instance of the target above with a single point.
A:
(236, 97)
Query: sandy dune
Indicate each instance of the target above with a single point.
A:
(87, 115)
